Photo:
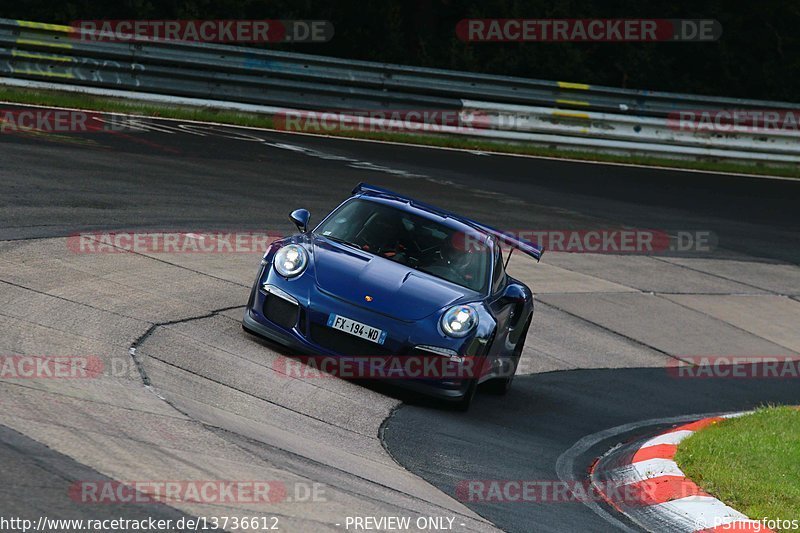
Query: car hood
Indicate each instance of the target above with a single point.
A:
(396, 290)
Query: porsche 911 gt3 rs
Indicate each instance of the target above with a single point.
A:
(384, 275)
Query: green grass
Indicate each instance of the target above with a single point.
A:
(751, 463)
(101, 103)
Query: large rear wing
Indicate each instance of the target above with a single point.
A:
(524, 246)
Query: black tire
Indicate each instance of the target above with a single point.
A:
(501, 386)
(464, 403)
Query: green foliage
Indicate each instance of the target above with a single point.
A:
(758, 55)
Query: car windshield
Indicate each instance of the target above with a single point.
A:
(410, 240)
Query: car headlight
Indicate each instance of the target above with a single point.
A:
(290, 261)
(458, 321)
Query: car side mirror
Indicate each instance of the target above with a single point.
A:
(512, 294)
(301, 217)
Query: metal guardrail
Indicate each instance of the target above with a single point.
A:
(562, 114)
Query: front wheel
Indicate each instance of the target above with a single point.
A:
(501, 386)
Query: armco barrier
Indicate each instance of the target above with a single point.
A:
(561, 114)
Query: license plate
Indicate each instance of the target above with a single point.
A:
(357, 328)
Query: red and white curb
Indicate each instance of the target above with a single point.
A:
(642, 481)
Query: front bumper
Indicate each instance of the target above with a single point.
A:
(305, 331)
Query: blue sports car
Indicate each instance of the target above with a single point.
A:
(385, 276)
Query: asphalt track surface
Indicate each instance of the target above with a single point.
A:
(605, 325)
